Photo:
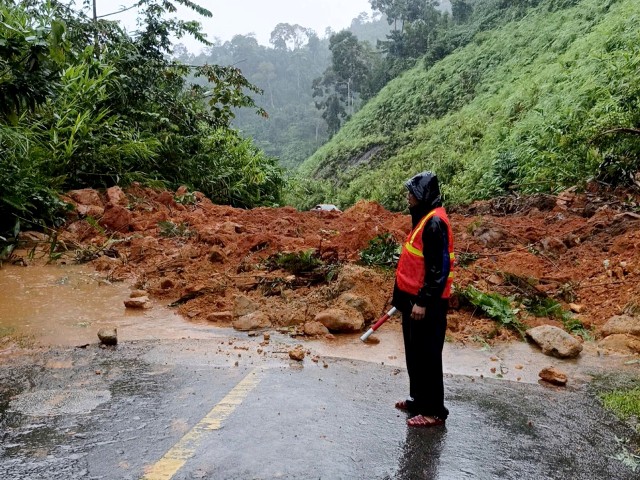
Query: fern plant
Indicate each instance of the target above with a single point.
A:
(496, 307)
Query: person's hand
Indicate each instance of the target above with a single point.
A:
(417, 313)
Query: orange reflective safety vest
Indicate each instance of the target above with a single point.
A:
(410, 272)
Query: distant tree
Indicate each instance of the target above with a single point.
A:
(399, 12)
(286, 36)
(416, 24)
(344, 80)
(266, 74)
(461, 11)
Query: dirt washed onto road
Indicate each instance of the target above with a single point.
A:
(223, 264)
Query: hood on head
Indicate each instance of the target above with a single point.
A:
(424, 186)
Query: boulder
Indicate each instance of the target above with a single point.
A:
(252, 321)
(360, 303)
(553, 375)
(90, 211)
(351, 275)
(490, 237)
(108, 336)
(31, 239)
(622, 324)
(116, 219)
(553, 245)
(576, 308)
(621, 343)
(313, 329)
(166, 198)
(86, 196)
(115, 196)
(243, 306)
(554, 341)
(341, 320)
(231, 228)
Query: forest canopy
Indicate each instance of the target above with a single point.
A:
(85, 104)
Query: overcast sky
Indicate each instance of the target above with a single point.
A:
(231, 17)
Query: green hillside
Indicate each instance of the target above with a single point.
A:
(535, 105)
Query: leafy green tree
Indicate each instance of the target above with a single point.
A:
(84, 104)
(401, 12)
(341, 84)
(32, 54)
(415, 26)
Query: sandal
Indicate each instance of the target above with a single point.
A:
(404, 405)
(424, 421)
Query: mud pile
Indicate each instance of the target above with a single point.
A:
(216, 262)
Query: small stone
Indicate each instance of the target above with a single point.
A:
(137, 294)
(216, 255)
(252, 321)
(297, 353)
(576, 308)
(553, 376)
(518, 367)
(108, 336)
(222, 317)
(267, 336)
(138, 302)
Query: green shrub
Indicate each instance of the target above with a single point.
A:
(295, 262)
(382, 251)
(542, 306)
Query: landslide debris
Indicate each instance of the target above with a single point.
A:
(571, 261)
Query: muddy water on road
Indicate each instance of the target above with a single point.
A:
(67, 305)
(517, 362)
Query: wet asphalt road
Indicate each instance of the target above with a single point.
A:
(118, 414)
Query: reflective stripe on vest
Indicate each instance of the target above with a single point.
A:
(410, 272)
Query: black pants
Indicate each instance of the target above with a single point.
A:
(423, 342)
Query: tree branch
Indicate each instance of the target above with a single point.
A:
(119, 11)
(633, 131)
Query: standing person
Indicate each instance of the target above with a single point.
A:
(421, 292)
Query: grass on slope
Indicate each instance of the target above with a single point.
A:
(524, 107)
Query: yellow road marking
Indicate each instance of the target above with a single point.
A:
(182, 451)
